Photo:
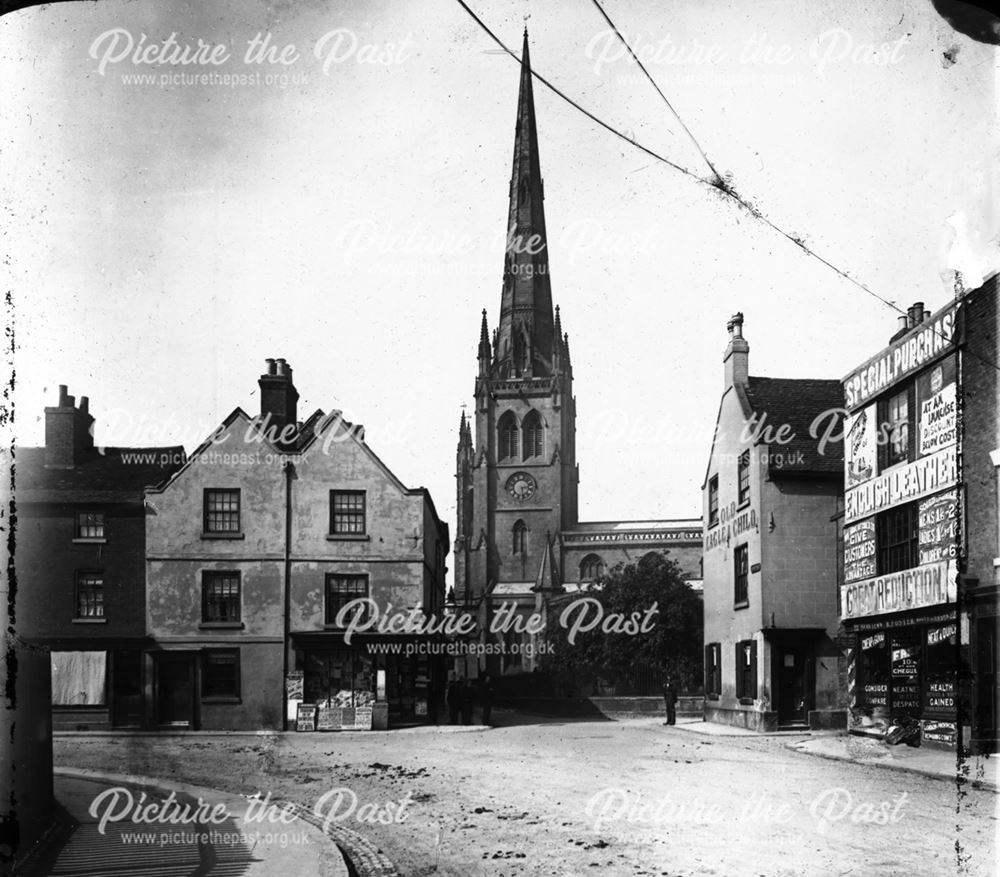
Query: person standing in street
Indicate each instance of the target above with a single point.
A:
(454, 700)
(467, 696)
(670, 700)
(486, 699)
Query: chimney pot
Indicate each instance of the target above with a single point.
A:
(278, 398)
(927, 316)
(63, 395)
(84, 404)
(904, 322)
(736, 357)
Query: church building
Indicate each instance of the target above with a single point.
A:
(518, 537)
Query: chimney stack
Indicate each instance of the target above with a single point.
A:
(278, 400)
(69, 435)
(737, 356)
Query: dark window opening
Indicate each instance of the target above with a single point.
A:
(347, 513)
(741, 574)
(341, 590)
(220, 597)
(220, 673)
(222, 510)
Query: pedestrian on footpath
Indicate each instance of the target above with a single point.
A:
(670, 700)
(467, 696)
(486, 699)
(454, 700)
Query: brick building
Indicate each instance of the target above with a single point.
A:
(772, 496)
(80, 566)
(518, 538)
(254, 546)
(919, 582)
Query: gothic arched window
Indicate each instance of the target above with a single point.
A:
(520, 538)
(534, 435)
(591, 567)
(507, 431)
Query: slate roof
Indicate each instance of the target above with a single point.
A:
(112, 476)
(797, 402)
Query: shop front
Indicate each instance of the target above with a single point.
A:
(97, 688)
(371, 684)
(905, 665)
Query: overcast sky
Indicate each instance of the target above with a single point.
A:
(166, 237)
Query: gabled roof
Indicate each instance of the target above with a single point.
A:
(109, 475)
(797, 402)
(236, 414)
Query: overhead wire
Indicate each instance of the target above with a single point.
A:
(717, 182)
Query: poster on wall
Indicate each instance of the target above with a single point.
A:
(305, 717)
(914, 588)
(859, 551)
(905, 668)
(937, 400)
(330, 718)
(937, 522)
(922, 477)
(860, 446)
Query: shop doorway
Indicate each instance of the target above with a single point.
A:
(126, 688)
(175, 689)
(987, 659)
(793, 685)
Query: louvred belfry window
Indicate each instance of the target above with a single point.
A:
(507, 435)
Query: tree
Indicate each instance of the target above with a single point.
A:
(671, 642)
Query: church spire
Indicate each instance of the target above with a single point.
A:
(485, 350)
(525, 335)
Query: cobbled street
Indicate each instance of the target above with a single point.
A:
(541, 797)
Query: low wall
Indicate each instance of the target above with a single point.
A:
(751, 720)
(767, 722)
(82, 719)
(608, 707)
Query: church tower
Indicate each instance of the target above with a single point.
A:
(517, 476)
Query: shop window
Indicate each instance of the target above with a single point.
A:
(591, 567)
(904, 657)
(743, 477)
(897, 538)
(338, 677)
(90, 525)
(342, 590)
(741, 575)
(713, 500)
(713, 670)
(873, 671)
(534, 436)
(746, 671)
(220, 674)
(79, 678)
(940, 669)
(348, 515)
(507, 433)
(222, 511)
(220, 597)
(90, 595)
(896, 434)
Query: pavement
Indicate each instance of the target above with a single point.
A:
(979, 771)
(106, 825)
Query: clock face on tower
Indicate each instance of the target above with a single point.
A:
(521, 486)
